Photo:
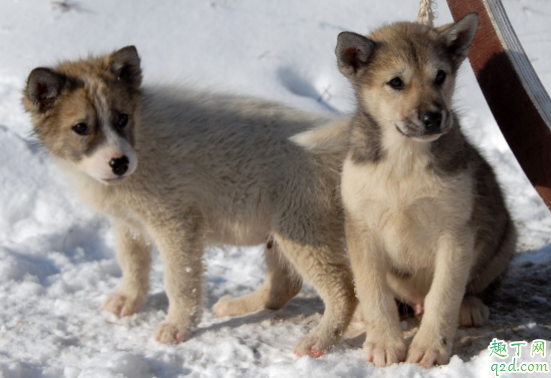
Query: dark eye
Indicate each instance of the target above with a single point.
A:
(123, 120)
(81, 129)
(396, 83)
(440, 77)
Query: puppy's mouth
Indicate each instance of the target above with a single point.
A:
(114, 181)
(412, 130)
(428, 138)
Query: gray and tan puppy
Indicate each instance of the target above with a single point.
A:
(182, 169)
(426, 221)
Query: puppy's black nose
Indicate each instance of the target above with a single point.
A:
(432, 120)
(119, 165)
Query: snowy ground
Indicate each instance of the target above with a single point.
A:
(57, 258)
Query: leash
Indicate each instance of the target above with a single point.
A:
(426, 13)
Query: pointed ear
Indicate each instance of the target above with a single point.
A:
(125, 64)
(353, 52)
(43, 87)
(459, 36)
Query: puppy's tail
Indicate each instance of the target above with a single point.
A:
(329, 138)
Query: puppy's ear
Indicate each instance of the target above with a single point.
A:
(353, 52)
(459, 36)
(43, 87)
(125, 64)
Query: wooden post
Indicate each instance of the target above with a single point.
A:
(515, 95)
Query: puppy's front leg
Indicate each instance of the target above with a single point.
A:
(384, 343)
(433, 342)
(134, 257)
(180, 243)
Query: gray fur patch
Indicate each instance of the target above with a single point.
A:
(365, 139)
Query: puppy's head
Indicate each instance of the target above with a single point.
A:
(404, 73)
(85, 112)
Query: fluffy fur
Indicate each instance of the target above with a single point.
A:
(182, 169)
(426, 221)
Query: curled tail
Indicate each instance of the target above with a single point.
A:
(328, 138)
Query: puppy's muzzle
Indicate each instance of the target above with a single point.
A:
(119, 166)
(432, 122)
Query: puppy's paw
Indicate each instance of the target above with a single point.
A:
(356, 326)
(313, 345)
(385, 352)
(121, 304)
(473, 313)
(428, 352)
(168, 333)
(228, 306)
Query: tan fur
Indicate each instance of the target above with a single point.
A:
(210, 169)
(281, 284)
(331, 138)
(426, 222)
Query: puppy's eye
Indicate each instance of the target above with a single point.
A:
(123, 120)
(396, 83)
(440, 77)
(81, 129)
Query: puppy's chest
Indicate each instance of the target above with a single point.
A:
(116, 201)
(407, 207)
(397, 200)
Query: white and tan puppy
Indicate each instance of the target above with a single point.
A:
(426, 222)
(183, 169)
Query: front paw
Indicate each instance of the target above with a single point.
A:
(169, 333)
(429, 351)
(122, 304)
(384, 352)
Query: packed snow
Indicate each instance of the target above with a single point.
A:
(57, 258)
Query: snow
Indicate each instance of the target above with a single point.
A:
(57, 259)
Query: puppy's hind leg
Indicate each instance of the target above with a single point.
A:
(487, 277)
(326, 268)
(473, 312)
(281, 284)
(134, 256)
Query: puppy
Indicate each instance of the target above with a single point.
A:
(182, 169)
(426, 221)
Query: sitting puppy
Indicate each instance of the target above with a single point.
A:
(182, 169)
(426, 221)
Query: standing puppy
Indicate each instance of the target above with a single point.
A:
(182, 169)
(426, 221)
